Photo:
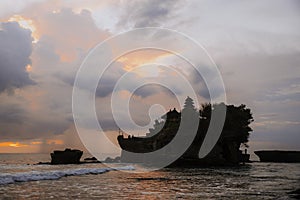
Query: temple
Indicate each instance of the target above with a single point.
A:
(225, 152)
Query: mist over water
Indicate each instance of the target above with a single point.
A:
(253, 181)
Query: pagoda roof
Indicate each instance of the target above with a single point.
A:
(171, 114)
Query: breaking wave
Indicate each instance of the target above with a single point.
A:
(7, 178)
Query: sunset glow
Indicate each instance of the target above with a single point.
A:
(57, 142)
(28, 68)
(149, 99)
(39, 68)
(12, 144)
(27, 24)
(137, 58)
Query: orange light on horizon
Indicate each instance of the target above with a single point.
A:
(36, 142)
(12, 144)
(51, 142)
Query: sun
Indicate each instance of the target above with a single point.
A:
(27, 24)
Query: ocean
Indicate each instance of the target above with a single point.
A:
(21, 179)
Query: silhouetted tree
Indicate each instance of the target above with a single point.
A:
(238, 119)
(235, 132)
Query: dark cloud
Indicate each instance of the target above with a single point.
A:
(106, 86)
(109, 79)
(19, 125)
(149, 13)
(106, 83)
(108, 124)
(16, 48)
(11, 113)
(105, 89)
(147, 90)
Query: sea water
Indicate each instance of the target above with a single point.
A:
(21, 179)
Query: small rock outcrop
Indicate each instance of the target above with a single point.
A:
(113, 160)
(68, 156)
(278, 156)
(92, 159)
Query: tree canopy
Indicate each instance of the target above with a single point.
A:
(236, 127)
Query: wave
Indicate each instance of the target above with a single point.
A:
(8, 178)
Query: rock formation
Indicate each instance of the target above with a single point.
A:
(68, 156)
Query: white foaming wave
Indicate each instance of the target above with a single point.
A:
(7, 178)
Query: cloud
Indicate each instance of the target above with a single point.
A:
(44, 109)
(285, 133)
(286, 90)
(148, 13)
(70, 33)
(6, 6)
(148, 90)
(255, 46)
(109, 78)
(241, 27)
(12, 113)
(17, 121)
(16, 48)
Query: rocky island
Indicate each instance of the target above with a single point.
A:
(278, 156)
(227, 151)
(68, 156)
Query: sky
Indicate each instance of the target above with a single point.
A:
(255, 45)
